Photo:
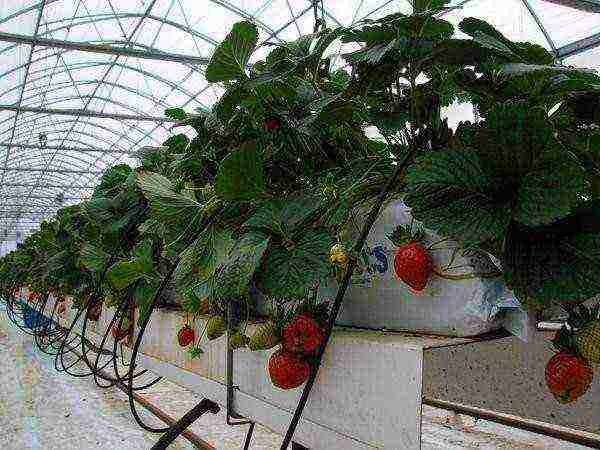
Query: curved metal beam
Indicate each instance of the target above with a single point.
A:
(51, 124)
(244, 14)
(85, 113)
(579, 46)
(118, 85)
(42, 197)
(25, 158)
(108, 100)
(107, 72)
(82, 66)
(103, 17)
(101, 48)
(66, 149)
(30, 160)
(50, 169)
(26, 10)
(49, 186)
(592, 6)
(76, 142)
(30, 55)
(540, 25)
(34, 155)
(23, 124)
(49, 132)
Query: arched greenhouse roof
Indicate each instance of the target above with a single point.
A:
(85, 82)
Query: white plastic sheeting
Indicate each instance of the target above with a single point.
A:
(38, 76)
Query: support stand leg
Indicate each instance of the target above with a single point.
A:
(190, 417)
(249, 436)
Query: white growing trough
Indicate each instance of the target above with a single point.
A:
(371, 385)
(368, 393)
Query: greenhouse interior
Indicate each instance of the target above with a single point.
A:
(300, 224)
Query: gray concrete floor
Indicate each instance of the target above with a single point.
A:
(43, 409)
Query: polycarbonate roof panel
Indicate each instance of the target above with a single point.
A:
(44, 155)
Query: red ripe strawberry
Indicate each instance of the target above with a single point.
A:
(272, 123)
(568, 377)
(288, 370)
(412, 263)
(186, 335)
(302, 335)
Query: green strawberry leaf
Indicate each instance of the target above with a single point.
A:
(450, 193)
(231, 57)
(124, 273)
(143, 253)
(200, 260)
(93, 258)
(421, 6)
(111, 179)
(511, 140)
(175, 113)
(243, 260)
(485, 34)
(172, 208)
(551, 189)
(240, 175)
(289, 270)
(464, 52)
(282, 216)
(547, 264)
(143, 295)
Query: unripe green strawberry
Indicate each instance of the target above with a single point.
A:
(587, 341)
(216, 327)
(238, 340)
(265, 337)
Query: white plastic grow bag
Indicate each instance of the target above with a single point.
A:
(377, 299)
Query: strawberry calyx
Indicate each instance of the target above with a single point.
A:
(564, 341)
(404, 234)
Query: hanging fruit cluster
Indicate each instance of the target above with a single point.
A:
(301, 337)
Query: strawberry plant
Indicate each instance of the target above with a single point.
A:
(255, 208)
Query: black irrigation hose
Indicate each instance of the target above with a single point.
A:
(61, 354)
(136, 348)
(138, 341)
(372, 217)
(50, 328)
